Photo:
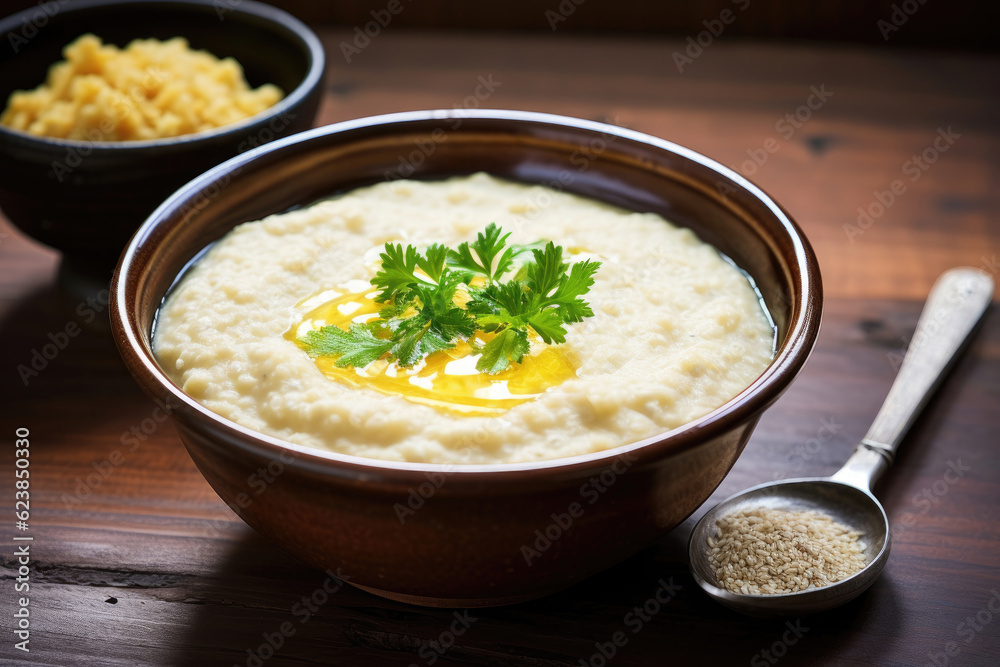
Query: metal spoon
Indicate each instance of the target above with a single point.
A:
(956, 303)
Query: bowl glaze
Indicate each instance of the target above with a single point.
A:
(482, 534)
(87, 198)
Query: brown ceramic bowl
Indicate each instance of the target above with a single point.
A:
(473, 529)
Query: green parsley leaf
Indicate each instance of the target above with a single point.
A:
(432, 261)
(397, 272)
(544, 274)
(548, 325)
(415, 338)
(566, 297)
(510, 345)
(356, 347)
(489, 245)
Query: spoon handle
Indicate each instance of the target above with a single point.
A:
(956, 303)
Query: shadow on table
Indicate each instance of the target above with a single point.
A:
(264, 607)
(60, 329)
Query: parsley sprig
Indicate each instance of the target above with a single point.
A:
(433, 299)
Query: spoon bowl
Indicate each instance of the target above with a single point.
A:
(855, 508)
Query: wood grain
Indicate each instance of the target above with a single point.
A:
(145, 565)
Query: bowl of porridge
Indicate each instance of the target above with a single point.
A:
(618, 311)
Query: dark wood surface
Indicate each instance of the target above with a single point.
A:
(143, 564)
(966, 25)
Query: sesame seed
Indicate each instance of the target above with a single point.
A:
(765, 551)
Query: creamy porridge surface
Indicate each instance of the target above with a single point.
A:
(676, 332)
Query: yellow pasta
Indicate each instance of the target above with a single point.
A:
(148, 90)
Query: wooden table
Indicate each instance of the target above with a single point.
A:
(136, 561)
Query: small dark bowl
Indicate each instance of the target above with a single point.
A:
(87, 198)
(482, 534)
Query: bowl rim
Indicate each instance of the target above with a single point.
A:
(271, 15)
(803, 325)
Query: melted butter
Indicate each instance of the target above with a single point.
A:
(446, 380)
